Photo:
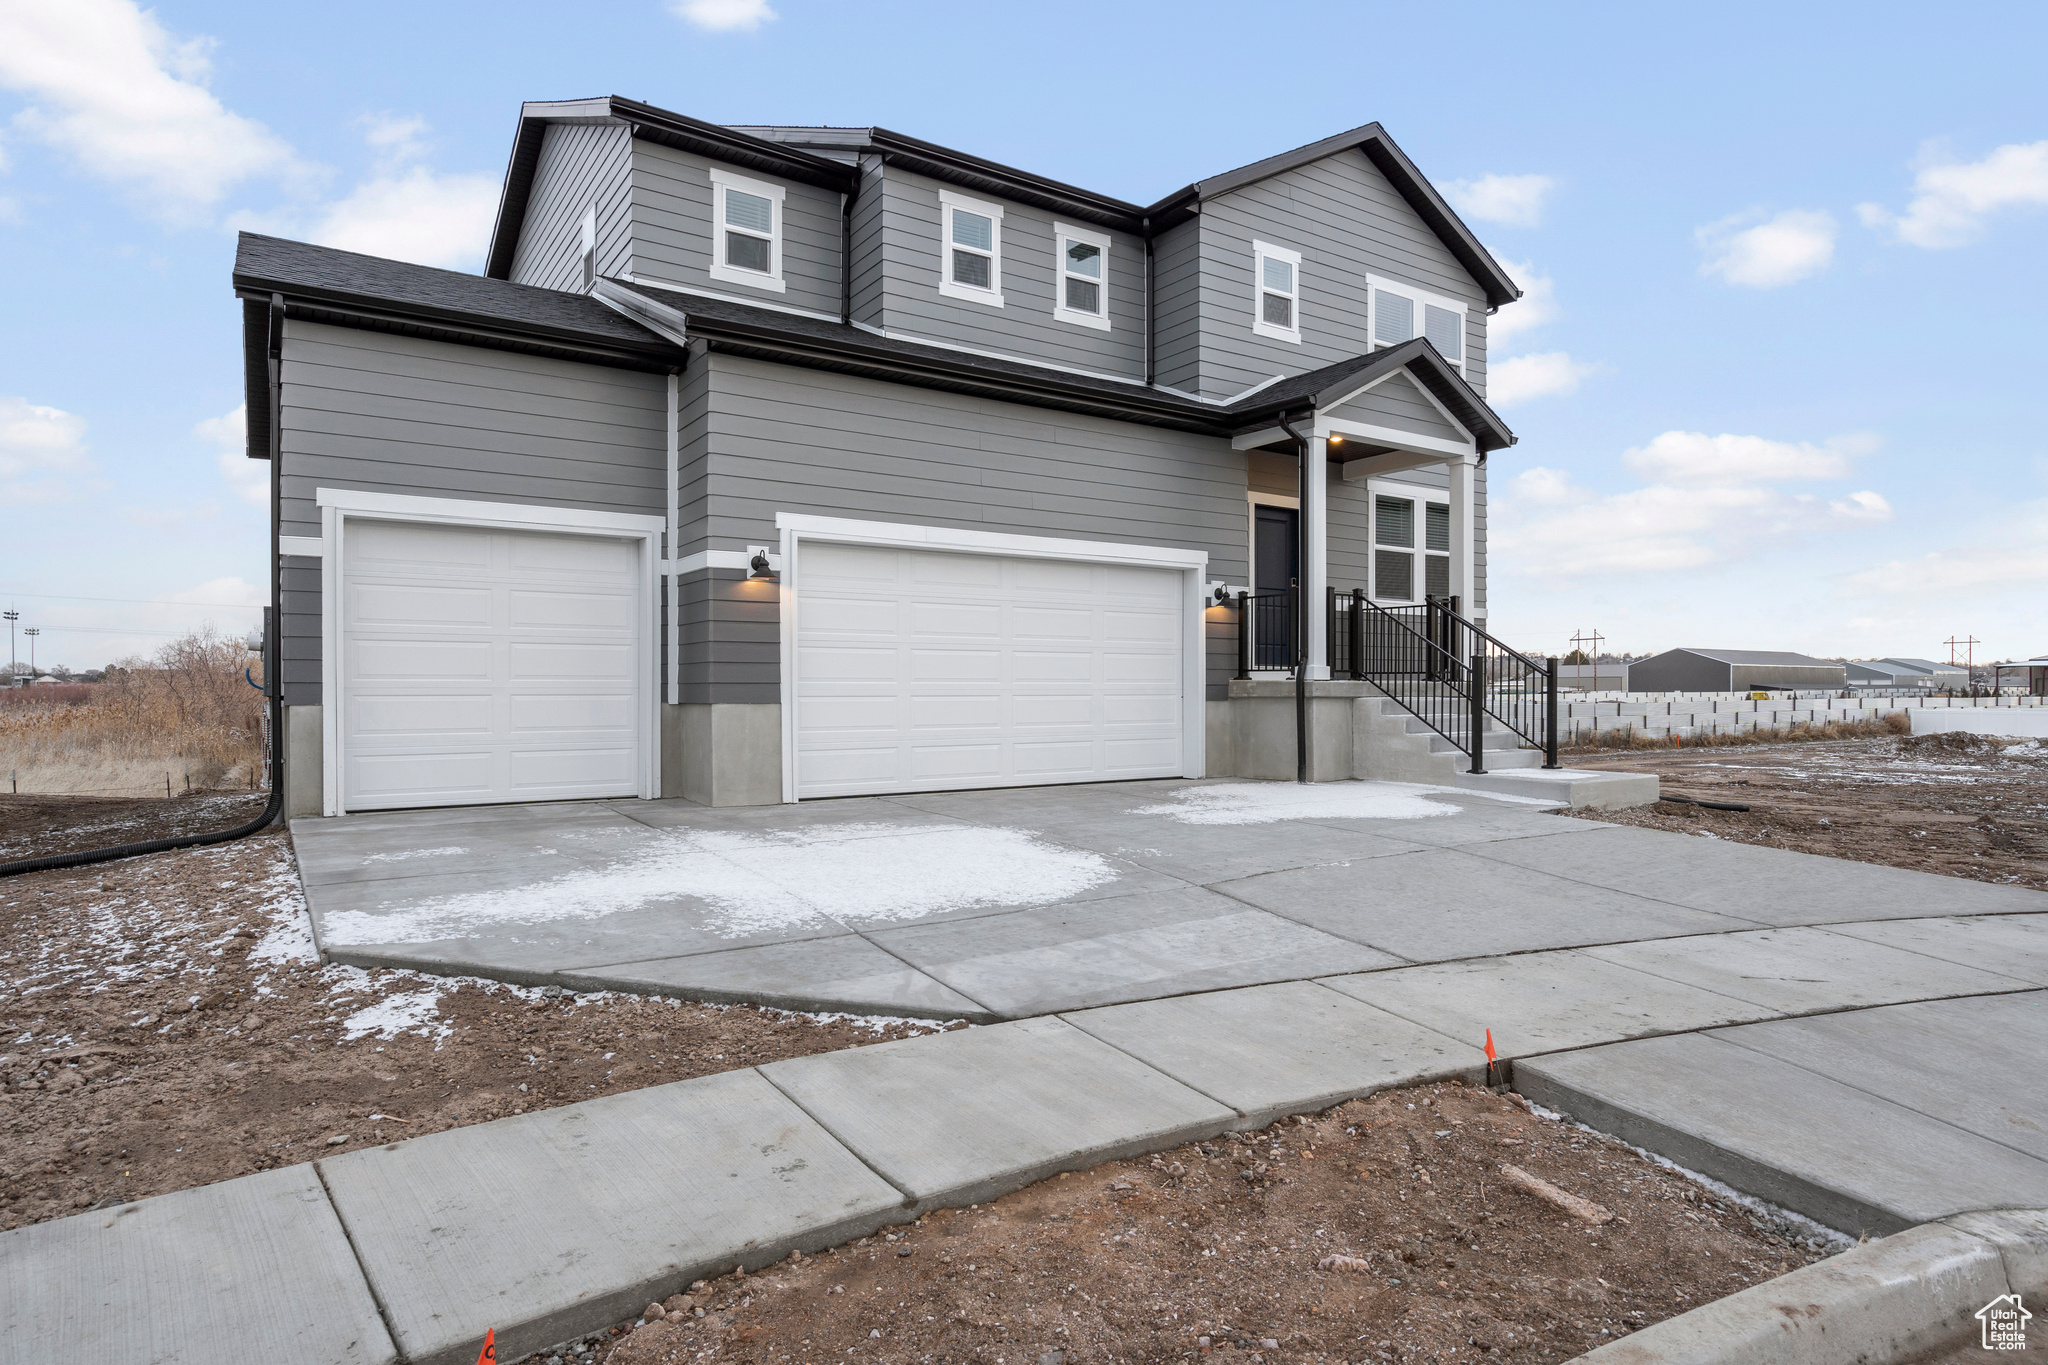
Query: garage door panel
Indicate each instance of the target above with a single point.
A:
(519, 682)
(1002, 670)
(402, 604)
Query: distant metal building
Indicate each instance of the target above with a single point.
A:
(1732, 670)
(1923, 674)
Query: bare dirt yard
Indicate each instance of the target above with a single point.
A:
(1961, 805)
(1381, 1230)
(164, 1024)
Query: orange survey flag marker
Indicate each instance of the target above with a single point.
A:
(489, 1355)
(1492, 1061)
(1491, 1055)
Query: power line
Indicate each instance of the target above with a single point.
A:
(145, 601)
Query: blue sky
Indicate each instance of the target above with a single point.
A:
(1774, 381)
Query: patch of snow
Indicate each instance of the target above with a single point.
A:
(414, 853)
(1263, 803)
(410, 1012)
(851, 873)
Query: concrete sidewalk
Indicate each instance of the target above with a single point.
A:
(551, 1224)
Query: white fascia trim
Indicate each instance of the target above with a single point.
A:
(1260, 326)
(459, 512)
(797, 527)
(1060, 312)
(677, 287)
(873, 330)
(910, 537)
(658, 318)
(1367, 467)
(991, 297)
(338, 506)
(715, 559)
(1374, 283)
(1391, 436)
(721, 181)
(1264, 436)
(1237, 397)
(312, 547)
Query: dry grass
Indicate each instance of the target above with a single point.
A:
(1881, 727)
(186, 715)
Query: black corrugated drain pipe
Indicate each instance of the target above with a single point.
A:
(271, 672)
(1300, 607)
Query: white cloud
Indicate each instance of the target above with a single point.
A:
(1764, 255)
(1522, 377)
(111, 88)
(1537, 306)
(724, 16)
(2011, 561)
(1951, 199)
(1704, 501)
(1693, 457)
(229, 435)
(1512, 200)
(42, 451)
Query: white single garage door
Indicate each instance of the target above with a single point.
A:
(485, 665)
(919, 670)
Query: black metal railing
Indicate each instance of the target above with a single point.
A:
(1265, 631)
(1446, 671)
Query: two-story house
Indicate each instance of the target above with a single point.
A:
(772, 463)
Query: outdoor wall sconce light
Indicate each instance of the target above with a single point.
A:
(758, 563)
(1220, 594)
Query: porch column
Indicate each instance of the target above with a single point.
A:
(1315, 554)
(1462, 469)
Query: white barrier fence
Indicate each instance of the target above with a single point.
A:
(1585, 717)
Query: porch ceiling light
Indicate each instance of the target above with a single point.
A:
(1336, 440)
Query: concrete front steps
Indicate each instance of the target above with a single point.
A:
(1511, 770)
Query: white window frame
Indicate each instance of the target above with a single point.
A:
(721, 269)
(1261, 251)
(1420, 498)
(1061, 235)
(992, 296)
(1421, 298)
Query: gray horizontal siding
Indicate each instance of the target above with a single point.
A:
(1395, 402)
(1176, 307)
(784, 439)
(1024, 326)
(868, 255)
(1346, 220)
(396, 414)
(580, 165)
(672, 202)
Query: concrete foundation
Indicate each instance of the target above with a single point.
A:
(302, 760)
(727, 754)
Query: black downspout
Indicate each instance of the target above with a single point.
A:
(273, 629)
(1300, 609)
(1148, 302)
(846, 249)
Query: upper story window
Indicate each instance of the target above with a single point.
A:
(1396, 574)
(589, 257)
(1400, 312)
(1276, 306)
(971, 249)
(746, 231)
(1082, 276)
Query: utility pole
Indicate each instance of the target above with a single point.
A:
(1579, 642)
(1968, 644)
(31, 632)
(12, 616)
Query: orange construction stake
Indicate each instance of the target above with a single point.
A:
(1491, 1058)
(489, 1355)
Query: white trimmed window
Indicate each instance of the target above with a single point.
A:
(971, 249)
(1082, 275)
(1411, 545)
(588, 261)
(1276, 292)
(746, 227)
(1400, 312)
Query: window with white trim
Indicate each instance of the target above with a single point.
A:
(1398, 543)
(588, 260)
(746, 231)
(1399, 312)
(1081, 272)
(971, 249)
(1276, 292)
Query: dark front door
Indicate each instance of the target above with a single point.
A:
(1274, 543)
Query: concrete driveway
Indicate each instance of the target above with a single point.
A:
(1007, 904)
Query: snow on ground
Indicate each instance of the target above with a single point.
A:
(1263, 803)
(851, 873)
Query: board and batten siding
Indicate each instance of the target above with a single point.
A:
(581, 165)
(387, 413)
(1347, 221)
(672, 230)
(1024, 326)
(783, 439)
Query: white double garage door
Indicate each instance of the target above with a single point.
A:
(490, 665)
